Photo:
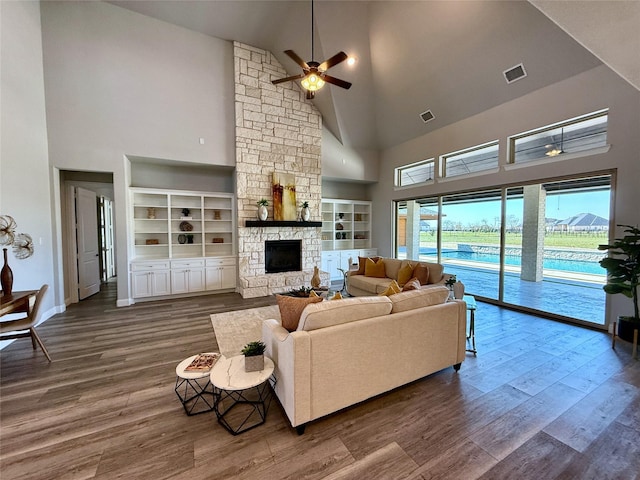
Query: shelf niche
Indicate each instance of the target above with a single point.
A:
(281, 223)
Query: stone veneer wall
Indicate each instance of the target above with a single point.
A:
(277, 130)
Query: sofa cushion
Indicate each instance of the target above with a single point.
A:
(327, 314)
(405, 273)
(423, 297)
(412, 284)
(291, 308)
(372, 285)
(392, 288)
(421, 272)
(435, 272)
(392, 266)
(374, 269)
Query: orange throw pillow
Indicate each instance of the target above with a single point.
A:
(361, 264)
(404, 274)
(291, 308)
(421, 272)
(392, 289)
(413, 284)
(374, 269)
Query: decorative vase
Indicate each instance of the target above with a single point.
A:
(306, 214)
(315, 279)
(254, 363)
(458, 290)
(262, 213)
(6, 276)
(151, 213)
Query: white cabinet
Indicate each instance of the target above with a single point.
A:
(187, 276)
(220, 273)
(150, 279)
(330, 262)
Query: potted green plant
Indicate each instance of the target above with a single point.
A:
(623, 275)
(262, 209)
(305, 213)
(253, 356)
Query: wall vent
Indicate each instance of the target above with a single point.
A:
(514, 73)
(427, 116)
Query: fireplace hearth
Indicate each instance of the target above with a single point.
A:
(282, 256)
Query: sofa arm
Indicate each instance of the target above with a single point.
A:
(291, 354)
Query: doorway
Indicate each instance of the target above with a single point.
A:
(88, 219)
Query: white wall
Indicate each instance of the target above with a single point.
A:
(590, 91)
(24, 164)
(121, 84)
(345, 163)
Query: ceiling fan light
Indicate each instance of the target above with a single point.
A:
(312, 82)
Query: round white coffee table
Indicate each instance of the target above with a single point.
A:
(241, 399)
(194, 389)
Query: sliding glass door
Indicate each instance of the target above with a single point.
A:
(531, 247)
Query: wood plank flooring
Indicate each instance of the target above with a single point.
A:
(542, 400)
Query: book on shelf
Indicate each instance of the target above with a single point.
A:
(203, 362)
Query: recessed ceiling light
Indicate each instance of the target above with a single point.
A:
(351, 61)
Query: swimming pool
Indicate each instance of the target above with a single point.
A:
(566, 265)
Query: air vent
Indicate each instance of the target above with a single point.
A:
(514, 73)
(427, 116)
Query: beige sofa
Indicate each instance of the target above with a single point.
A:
(358, 285)
(346, 351)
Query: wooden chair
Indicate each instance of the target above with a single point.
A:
(25, 327)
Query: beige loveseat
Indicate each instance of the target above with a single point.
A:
(346, 351)
(360, 284)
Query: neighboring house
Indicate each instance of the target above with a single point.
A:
(583, 222)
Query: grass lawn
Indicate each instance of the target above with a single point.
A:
(567, 240)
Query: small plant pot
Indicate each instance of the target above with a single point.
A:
(254, 363)
(626, 326)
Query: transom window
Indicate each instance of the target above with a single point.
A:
(571, 136)
(470, 160)
(415, 173)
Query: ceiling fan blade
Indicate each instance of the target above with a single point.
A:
(336, 81)
(294, 56)
(287, 79)
(336, 59)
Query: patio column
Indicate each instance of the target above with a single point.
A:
(413, 230)
(533, 230)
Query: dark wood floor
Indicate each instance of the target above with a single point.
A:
(541, 400)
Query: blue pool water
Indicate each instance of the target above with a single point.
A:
(548, 263)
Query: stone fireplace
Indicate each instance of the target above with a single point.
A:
(277, 130)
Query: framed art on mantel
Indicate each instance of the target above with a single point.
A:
(284, 196)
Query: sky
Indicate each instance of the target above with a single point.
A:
(558, 207)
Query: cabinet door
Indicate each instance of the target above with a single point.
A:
(345, 255)
(212, 278)
(228, 277)
(160, 284)
(141, 284)
(330, 262)
(179, 281)
(196, 279)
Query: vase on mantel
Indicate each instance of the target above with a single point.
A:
(6, 276)
(306, 214)
(263, 213)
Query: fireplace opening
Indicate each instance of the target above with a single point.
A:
(282, 256)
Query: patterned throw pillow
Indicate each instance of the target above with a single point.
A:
(413, 284)
(392, 289)
(291, 308)
(404, 274)
(374, 269)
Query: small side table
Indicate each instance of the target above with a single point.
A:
(471, 308)
(194, 389)
(242, 398)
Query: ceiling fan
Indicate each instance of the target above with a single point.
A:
(314, 76)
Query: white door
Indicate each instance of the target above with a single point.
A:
(88, 245)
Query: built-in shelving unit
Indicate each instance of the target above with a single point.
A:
(183, 242)
(346, 224)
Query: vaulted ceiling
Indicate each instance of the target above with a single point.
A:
(412, 56)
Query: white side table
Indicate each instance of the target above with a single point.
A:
(241, 399)
(194, 389)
